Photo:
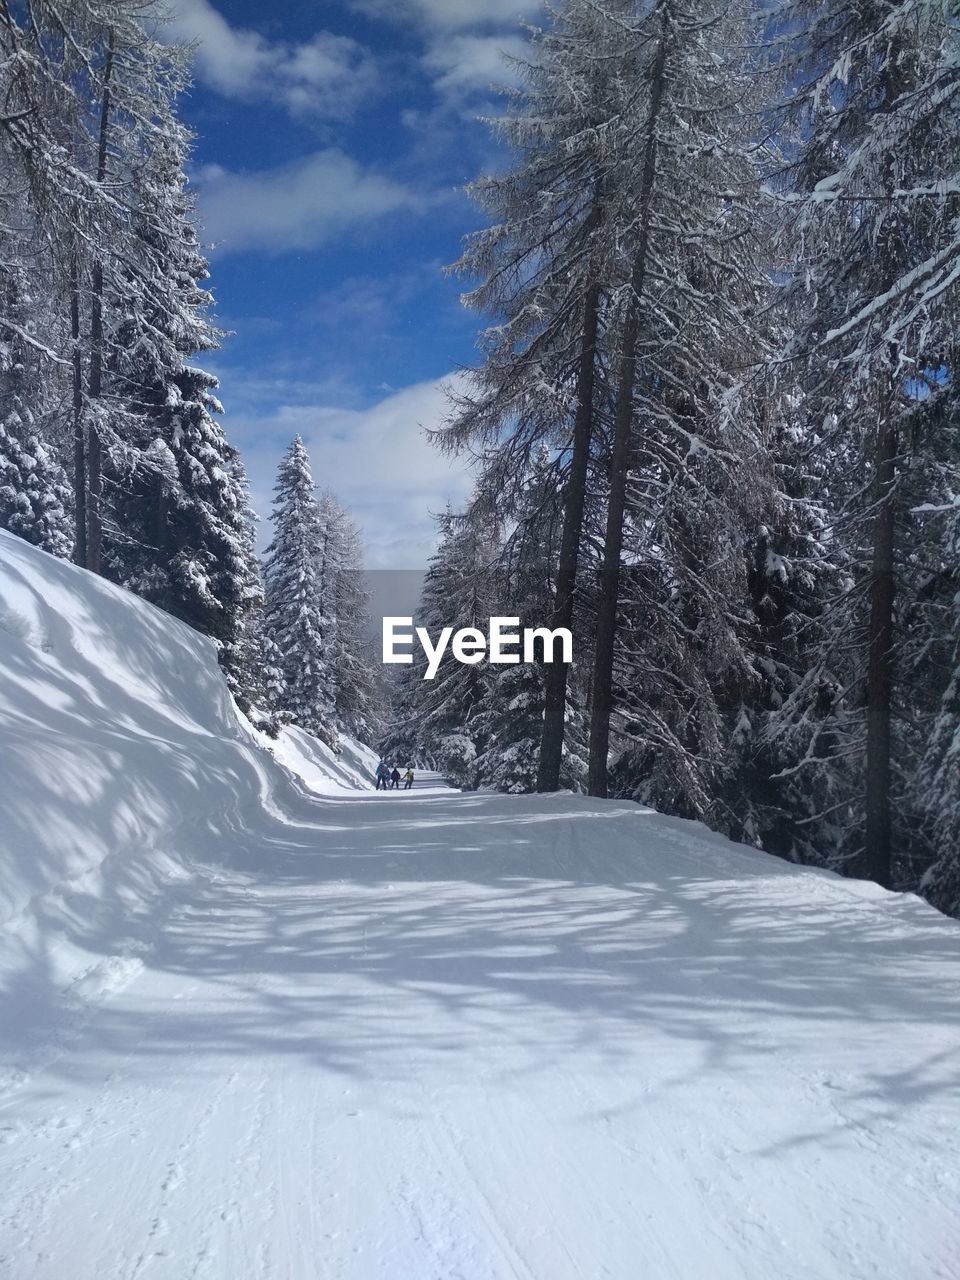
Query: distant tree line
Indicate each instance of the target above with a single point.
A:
(716, 429)
(110, 447)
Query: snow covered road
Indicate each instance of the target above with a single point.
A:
(444, 1037)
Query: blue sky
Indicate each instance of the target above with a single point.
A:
(332, 142)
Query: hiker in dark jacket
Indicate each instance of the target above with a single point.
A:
(395, 778)
(381, 776)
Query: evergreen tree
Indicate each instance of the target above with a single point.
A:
(238, 582)
(789, 783)
(33, 488)
(262, 678)
(34, 494)
(358, 709)
(299, 615)
(178, 518)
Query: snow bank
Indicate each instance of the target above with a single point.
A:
(117, 733)
(324, 771)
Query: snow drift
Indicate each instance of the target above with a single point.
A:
(121, 745)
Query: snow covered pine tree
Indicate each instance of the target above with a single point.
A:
(178, 517)
(300, 617)
(34, 493)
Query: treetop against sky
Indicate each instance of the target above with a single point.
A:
(334, 142)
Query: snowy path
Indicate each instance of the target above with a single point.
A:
(434, 1037)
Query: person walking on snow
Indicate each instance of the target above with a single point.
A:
(381, 776)
(395, 778)
(408, 778)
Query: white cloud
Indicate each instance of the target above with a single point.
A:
(377, 460)
(465, 40)
(463, 64)
(327, 75)
(447, 15)
(298, 205)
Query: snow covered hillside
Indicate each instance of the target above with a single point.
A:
(256, 1023)
(118, 733)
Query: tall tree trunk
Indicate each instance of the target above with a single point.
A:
(878, 835)
(622, 431)
(555, 693)
(95, 386)
(79, 450)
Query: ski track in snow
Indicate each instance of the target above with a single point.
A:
(438, 1037)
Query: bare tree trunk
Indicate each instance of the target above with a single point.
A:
(878, 835)
(555, 699)
(602, 680)
(79, 450)
(622, 432)
(95, 385)
(94, 448)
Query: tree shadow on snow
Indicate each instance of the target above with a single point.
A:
(378, 941)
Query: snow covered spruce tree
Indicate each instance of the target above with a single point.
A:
(300, 616)
(178, 516)
(873, 205)
(786, 785)
(544, 268)
(34, 492)
(33, 487)
(239, 624)
(358, 696)
(251, 661)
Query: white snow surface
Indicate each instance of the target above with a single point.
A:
(255, 1024)
(327, 773)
